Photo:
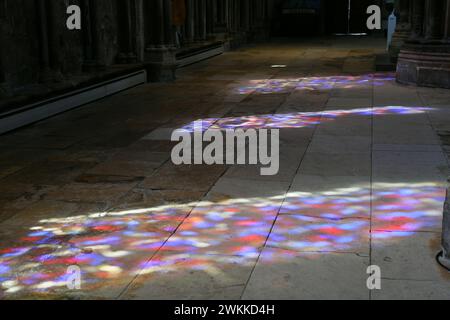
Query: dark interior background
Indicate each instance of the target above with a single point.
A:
(318, 17)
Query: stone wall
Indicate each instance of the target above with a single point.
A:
(19, 42)
(37, 48)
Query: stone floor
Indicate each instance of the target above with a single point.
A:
(362, 182)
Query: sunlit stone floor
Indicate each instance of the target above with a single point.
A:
(362, 182)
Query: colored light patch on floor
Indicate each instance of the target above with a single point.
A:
(295, 120)
(121, 244)
(314, 83)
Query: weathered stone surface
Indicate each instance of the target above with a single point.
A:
(412, 257)
(49, 173)
(340, 203)
(412, 290)
(87, 192)
(336, 164)
(289, 275)
(170, 276)
(185, 177)
(48, 209)
(445, 259)
(424, 65)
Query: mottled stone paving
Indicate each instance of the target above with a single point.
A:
(362, 182)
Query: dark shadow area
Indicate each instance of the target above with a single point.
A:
(295, 18)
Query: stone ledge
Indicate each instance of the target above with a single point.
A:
(42, 92)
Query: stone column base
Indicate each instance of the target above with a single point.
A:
(238, 39)
(161, 64)
(444, 260)
(398, 39)
(424, 64)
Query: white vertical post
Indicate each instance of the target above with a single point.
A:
(349, 15)
(392, 25)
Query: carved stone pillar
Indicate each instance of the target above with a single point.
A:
(445, 258)
(418, 15)
(94, 48)
(159, 25)
(403, 30)
(226, 14)
(261, 28)
(160, 58)
(210, 17)
(4, 90)
(245, 15)
(447, 22)
(190, 23)
(424, 60)
(139, 29)
(44, 50)
(88, 46)
(201, 20)
(169, 30)
(2, 74)
(434, 26)
(127, 18)
(197, 19)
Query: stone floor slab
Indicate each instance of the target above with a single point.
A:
(408, 255)
(286, 275)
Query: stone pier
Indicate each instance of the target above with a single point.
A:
(424, 59)
(403, 30)
(445, 257)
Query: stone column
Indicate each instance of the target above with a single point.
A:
(445, 258)
(139, 35)
(220, 22)
(434, 19)
(403, 30)
(197, 20)
(210, 18)
(190, 23)
(4, 90)
(160, 54)
(88, 46)
(245, 15)
(127, 48)
(447, 22)
(424, 60)
(159, 24)
(169, 29)
(94, 48)
(2, 71)
(100, 33)
(202, 20)
(226, 14)
(418, 15)
(44, 51)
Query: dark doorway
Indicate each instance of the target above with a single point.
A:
(346, 16)
(317, 17)
(298, 18)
